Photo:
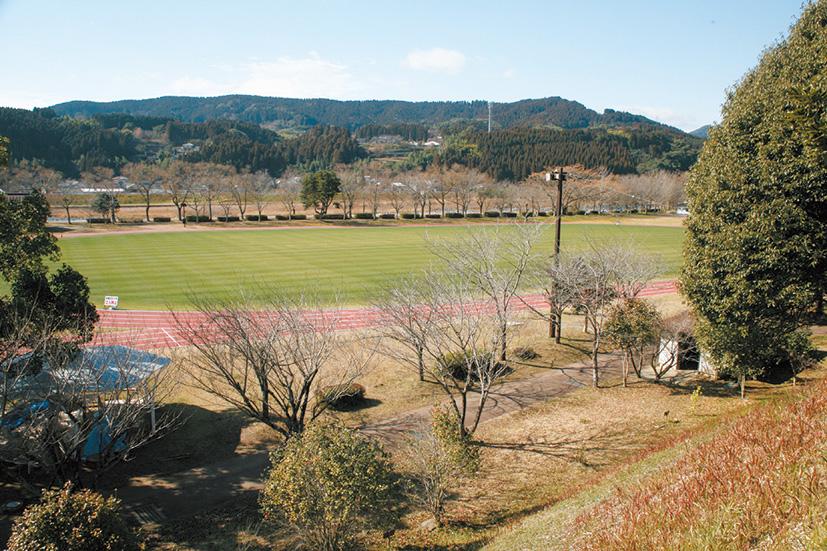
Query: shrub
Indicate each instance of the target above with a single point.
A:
(203, 218)
(227, 218)
(456, 364)
(162, 219)
(459, 448)
(434, 216)
(473, 215)
(97, 220)
(492, 214)
(72, 521)
(526, 353)
(299, 217)
(509, 215)
(342, 396)
(388, 216)
(454, 215)
(410, 216)
(256, 217)
(328, 484)
(332, 217)
(542, 213)
(363, 216)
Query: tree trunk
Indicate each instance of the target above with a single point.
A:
(743, 381)
(625, 369)
(421, 360)
(595, 347)
(68, 216)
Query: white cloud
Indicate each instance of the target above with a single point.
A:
(307, 77)
(196, 86)
(508, 73)
(436, 59)
(665, 115)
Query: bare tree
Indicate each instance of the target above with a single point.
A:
(462, 184)
(557, 279)
(101, 178)
(261, 184)
(441, 191)
(146, 178)
(71, 414)
(397, 195)
(176, 182)
(289, 192)
(281, 362)
(434, 472)
(495, 261)
(419, 189)
(353, 182)
(240, 189)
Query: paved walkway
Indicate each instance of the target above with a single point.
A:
(154, 329)
(184, 494)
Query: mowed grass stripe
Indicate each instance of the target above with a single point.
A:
(158, 270)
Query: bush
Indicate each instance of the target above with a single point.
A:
(454, 215)
(256, 218)
(388, 216)
(509, 215)
(492, 214)
(410, 216)
(525, 353)
(331, 217)
(459, 448)
(202, 218)
(162, 219)
(226, 218)
(363, 216)
(328, 484)
(456, 364)
(434, 216)
(342, 396)
(299, 217)
(542, 213)
(473, 215)
(72, 521)
(97, 220)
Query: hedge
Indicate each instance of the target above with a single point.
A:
(454, 215)
(200, 218)
(492, 214)
(299, 217)
(329, 217)
(410, 216)
(97, 220)
(509, 215)
(473, 215)
(433, 216)
(161, 219)
(256, 217)
(388, 216)
(228, 218)
(363, 216)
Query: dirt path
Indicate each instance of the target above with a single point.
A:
(184, 494)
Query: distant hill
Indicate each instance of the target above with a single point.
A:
(292, 113)
(702, 132)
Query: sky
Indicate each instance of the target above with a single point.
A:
(671, 60)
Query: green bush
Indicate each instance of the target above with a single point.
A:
(509, 215)
(363, 216)
(299, 217)
(225, 218)
(330, 217)
(328, 484)
(388, 216)
(492, 214)
(203, 218)
(410, 216)
(342, 396)
(256, 218)
(97, 220)
(162, 219)
(72, 521)
(473, 215)
(456, 364)
(454, 215)
(435, 216)
(459, 448)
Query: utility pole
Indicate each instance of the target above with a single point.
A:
(555, 327)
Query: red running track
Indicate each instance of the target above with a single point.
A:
(154, 329)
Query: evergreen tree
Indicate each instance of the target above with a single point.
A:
(756, 246)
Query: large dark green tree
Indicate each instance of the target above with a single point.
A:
(756, 247)
(58, 300)
(319, 189)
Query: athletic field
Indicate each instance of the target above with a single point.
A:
(158, 270)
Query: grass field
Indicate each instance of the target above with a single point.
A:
(159, 270)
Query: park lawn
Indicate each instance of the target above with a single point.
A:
(160, 270)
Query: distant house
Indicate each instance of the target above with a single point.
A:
(682, 210)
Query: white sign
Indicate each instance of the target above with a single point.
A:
(110, 302)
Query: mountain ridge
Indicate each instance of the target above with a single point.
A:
(551, 111)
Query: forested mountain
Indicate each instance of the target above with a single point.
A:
(702, 132)
(287, 112)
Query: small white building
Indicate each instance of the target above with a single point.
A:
(682, 210)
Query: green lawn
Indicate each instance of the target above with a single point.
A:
(158, 270)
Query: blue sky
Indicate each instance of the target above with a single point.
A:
(671, 60)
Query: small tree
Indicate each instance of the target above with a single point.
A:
(632, 325)
(106, 204)
(73, 521)
(319, 189)
(328, 484)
